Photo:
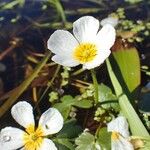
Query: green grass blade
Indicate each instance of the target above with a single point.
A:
(136, 126)
(23, 86)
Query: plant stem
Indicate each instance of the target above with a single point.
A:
(23, 86)
(49, 84)
(96, 96)
(77, 72)
(136, 125)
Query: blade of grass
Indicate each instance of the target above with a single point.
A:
(136, 126)
(23, 86)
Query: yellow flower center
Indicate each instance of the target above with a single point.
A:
(33, 138)
(115, 136)
(85, 52)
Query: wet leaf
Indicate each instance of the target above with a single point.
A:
(129, 65)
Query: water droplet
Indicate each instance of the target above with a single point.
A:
(6, 138)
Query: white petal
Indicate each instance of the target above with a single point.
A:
(85, 28)
(121, 144)
(100, 58)
(65, 60)
(11, 138)
(109, 20)
(62, 42)
(47, 145)
(51, 121)
(119, 125)
(106, 37)
(22, 112)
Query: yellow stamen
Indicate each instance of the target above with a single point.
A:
(115, 135)
(33, 138)
(85, 52)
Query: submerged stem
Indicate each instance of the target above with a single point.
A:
(96, 95)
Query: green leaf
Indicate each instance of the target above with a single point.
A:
(66, 143)
(106, 97)
(104, 139)
(136, 126)
(85, 141)
(105, 93)
(83, 103)
(70, 130)
(129, 64)
(68, 101)
(65, 106)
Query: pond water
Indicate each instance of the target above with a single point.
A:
(25, 28)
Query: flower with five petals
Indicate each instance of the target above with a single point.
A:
(88, 46)
(50, 122)
(120, 134)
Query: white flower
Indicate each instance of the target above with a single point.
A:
(89, 46)
(32, 138)
(109, 20)
(120, 134)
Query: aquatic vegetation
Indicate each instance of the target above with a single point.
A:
(86, 63)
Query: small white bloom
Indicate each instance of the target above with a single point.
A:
(120, 134)
(89, 46)
(32, 138)
(109, 20)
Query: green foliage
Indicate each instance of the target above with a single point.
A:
(70, 130)
(132, 31)
(133, 1)
(129, 64)
(106, 97)
(11, 5)
(104, 139)
(136, 125)
(64, 144)
(65, 76)
(68, 101)
(85, 141)
(53, 96)
(64, 139)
